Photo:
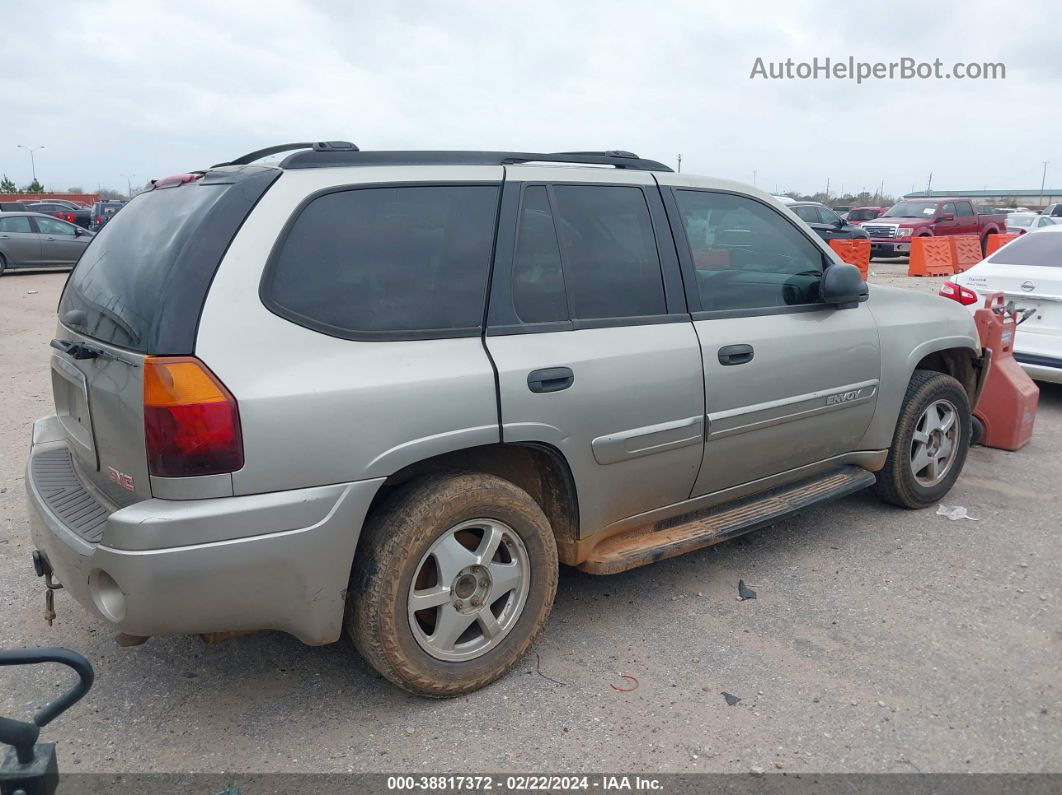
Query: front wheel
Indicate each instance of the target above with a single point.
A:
(454, 578)
(930, 442)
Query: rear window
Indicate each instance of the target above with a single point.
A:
(142, 281)
(1042, 249)
(402, 262)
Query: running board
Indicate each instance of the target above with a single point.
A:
(682, 534)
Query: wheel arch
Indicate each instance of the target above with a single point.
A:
(960, 362)
(538, 468)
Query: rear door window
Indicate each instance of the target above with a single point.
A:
(404, 262)
(611, 263)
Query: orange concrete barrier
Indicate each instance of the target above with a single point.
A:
(996, 242)
(965, 251)
(930, 256)
(854, 252)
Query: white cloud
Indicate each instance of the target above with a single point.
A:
(153, 88)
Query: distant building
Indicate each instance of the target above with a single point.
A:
(998, 198)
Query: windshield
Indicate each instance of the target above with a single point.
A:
(1023, 221)
(911, 210)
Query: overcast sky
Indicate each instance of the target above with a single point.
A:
(150, 89)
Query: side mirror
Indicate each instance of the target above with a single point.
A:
(79, 232)
(843, 286)
(946, 217)
(840, 222)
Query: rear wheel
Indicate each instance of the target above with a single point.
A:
(3, 264)
(930, 442)
(454, 578)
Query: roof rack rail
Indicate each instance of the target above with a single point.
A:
(317, 146)
(334, 157)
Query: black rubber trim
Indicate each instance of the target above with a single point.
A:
(1037, 360)
(396, 335)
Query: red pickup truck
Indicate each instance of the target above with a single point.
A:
(891, 234)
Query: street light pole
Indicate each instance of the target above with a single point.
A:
(1043, 179)
(33, 164)
(128, 185)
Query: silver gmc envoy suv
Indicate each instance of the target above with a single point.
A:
(393, 391)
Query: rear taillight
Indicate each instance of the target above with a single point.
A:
(956, 292)
(70, 217)
(191, 421)
(99, 219)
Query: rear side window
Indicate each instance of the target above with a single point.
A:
(965, 210)
(393, 262)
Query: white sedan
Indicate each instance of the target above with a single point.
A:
(1028, 271)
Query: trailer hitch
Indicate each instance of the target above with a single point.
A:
(29, 767)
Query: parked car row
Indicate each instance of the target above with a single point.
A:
(92, 218)
(1020, 223)
(35, 240)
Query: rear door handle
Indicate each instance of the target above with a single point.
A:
(550, 379)
(735, 354)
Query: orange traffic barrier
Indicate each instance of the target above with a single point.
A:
(996, 242)
(965, 251)
(854, 252)
(1007, 407)
(930, 256)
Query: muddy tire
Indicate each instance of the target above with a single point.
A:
(453, 580)
(930, 443)
(3, 264)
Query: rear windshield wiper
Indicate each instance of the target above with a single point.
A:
(84, 350)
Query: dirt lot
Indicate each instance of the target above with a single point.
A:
(882, 640)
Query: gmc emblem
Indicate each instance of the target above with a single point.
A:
(122, 479)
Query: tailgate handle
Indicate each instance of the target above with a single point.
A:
(551, 379)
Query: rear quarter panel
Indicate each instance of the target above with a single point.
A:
(910, 327)
(316, 409)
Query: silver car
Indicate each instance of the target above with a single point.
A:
(393, 391)
(35, 240)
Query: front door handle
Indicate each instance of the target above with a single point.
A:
(550, 379)
(735, 354)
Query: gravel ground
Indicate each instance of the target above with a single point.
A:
(881, 640)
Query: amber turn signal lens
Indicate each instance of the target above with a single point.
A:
(191, 421)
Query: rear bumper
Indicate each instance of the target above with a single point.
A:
(268, 561)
